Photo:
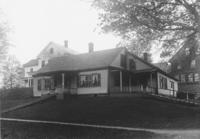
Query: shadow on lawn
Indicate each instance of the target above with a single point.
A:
(19, 130)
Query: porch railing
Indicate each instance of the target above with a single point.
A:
(132, 89)
(70, 91)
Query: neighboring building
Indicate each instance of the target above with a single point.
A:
(102, 72)
(165, 66)
(185, 66)
(50, 51)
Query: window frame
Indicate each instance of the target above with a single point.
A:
(89, 80)
(39, 84)
(51, 50)
(196, 76)
(163, 82)
(193, 63)
(132, 64)
(123, 62)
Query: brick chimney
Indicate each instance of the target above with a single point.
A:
(91, 47)
(66, 43)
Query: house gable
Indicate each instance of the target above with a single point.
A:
(139, 65)
(54, 50)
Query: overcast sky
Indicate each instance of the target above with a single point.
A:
(34, 23)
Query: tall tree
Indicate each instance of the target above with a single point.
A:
(142, 22)
(3, 39)
(11, 73)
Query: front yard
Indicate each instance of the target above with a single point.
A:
(117, 111)
(13, 97)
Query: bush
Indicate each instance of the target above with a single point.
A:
(183, 95)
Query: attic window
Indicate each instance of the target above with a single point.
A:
(43, 63)
(187, 51)
(132, 64)
(31, 70)
(123, 61)
(51, 51)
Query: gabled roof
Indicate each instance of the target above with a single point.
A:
(97, 59)
(89, 61)
(33, 62)
(60, 48)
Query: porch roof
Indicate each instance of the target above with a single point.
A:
(85, 61)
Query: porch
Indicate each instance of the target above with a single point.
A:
(55, 83)
(133, 82)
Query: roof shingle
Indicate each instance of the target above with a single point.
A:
(97, 59)
(30, 63)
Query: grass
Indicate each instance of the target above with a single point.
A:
(119, 111)
(13, 97)
(19, 130)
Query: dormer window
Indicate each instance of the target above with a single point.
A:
(43, 63)
(51, 51)
(132, 64)
(187, 51)
(31, 70)
(123, 61)
(193, 64)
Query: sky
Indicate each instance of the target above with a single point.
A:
(35, 23)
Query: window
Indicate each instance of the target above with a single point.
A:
(39, 84)
(196, 77)
(47, 84)
(31, 83)
(177, 77)
(198, 50)
(132, 64)
(51, 51)
(163, 82)
(43, 63)
(183, 78)
(91, 80)
(179, 67)
(172, 85)
(187, 51)
(123, 61)
(193, 64)
(31, 70)
(190, 77)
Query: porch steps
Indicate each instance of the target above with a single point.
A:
(173, 99)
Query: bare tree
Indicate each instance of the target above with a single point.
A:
(11, 73)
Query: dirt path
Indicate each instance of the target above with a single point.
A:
(182, 133)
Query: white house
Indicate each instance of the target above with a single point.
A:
(50, 51)
(102, 72)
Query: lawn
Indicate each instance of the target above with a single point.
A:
(13, 97)
(120, 111)
(20, 130)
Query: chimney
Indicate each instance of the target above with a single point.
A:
(145, 56)
(91, 47)
(66, 43)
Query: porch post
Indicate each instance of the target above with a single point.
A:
(63, 81)
(130, 84)
(60, 94)
(151, 82)
(121, 89)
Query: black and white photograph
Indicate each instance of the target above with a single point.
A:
(100, 69)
